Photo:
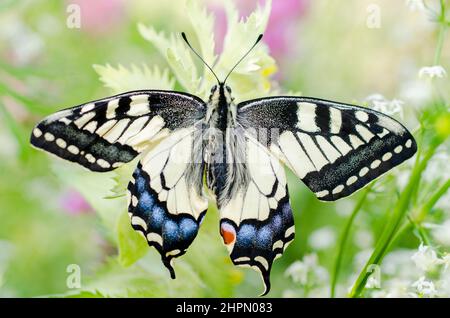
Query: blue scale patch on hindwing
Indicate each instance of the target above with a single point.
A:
(170, 234)
(257, 243)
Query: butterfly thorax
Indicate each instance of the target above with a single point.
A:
(221, 144)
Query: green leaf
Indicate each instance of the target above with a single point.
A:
(121, 79)
(132, 246)
(177, 54)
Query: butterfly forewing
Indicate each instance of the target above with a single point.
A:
(103, 134)
(334, 148)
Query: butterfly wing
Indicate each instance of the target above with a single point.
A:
(334, 148)
(166, 203)
(256, 222)
(104, 134)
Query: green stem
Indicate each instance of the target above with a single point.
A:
(432, 201)
(393, 225)
(343, 240)
(426, 208)
(440, 43)
(442, 31)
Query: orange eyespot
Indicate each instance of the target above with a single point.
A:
(228, 233)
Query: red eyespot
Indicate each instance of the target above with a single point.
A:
(228, 233)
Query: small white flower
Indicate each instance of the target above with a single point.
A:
(322, 238)
(399, 288)
(414, 5)
(432, 71)
(446, 262)
(437, 168)
(389, 107)
(425, 258)
(298, 272)
(425, 287)
(441, 232)
(307, 271)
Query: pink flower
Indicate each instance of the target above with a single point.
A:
(74, 203)
(281, 29)
(99, 16)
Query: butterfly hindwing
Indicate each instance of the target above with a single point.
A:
(334, 148)
(256, 222)
(165, 200)
(104, 134)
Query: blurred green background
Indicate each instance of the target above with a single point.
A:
(53, 214)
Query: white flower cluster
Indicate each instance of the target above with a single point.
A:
(429, 277)
(310, 276)
(414, 5)
(432, 72)
(389, 107)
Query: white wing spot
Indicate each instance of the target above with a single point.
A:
(262, 261)
(61, 143)
(351, 180)
(111, 109)
(306, 116)
(289, 231)
(398, 149)
(277, 244)
(73, 149)
(338, 189)
(87, 108)
(49, 137)
(103, 163)
(362, 116)
(387, 156)
(364, 132)
(90, 158)
(83, 120)
(321, 194)
(330, 152)
(173, 252)
(91, 127)
(335, 120)
(375, 164)
(363, 171)
(355, 141)
(65, 120)
(408, 143)
(153, 237)
(391, 125)
(37, 132)
(341, 145)
(383, 133)
(135, 220)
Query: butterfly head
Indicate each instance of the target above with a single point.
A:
(221, 92)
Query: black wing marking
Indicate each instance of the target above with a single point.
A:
(103, 134)
(164, 200)
(256, 222)
(334, 148)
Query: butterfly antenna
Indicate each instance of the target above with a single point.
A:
(243, 57)
(198, 55)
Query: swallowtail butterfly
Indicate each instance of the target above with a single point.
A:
(191, 149)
